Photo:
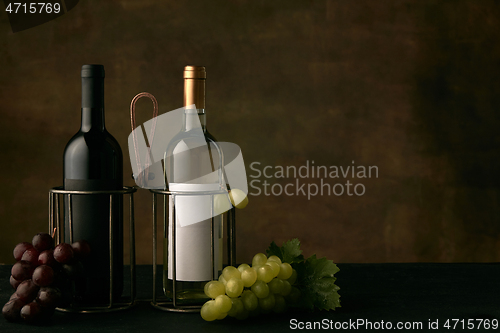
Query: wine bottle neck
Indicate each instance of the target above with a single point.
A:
(92, 118)
(93, 92)
(194, 94)
(92, 98)
(193, 119)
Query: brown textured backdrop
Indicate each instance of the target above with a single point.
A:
(409, 86)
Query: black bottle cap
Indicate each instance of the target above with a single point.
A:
(93, 71)
(92, 86)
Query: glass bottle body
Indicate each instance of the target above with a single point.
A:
(192, 165)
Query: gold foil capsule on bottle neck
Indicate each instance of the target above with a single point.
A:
(195, 72)
(194, 86)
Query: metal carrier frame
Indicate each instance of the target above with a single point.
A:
(56, 222)
(163, 303)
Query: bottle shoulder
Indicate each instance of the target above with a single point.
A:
(93, 156)
(112, 142)
(77, 142)
(83, 143)
(185, 140)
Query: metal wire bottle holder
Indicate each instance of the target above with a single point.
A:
(165, 304)
(172, 305)
(56, 222)
(161, 302)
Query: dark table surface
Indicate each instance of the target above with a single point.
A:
(409, 293)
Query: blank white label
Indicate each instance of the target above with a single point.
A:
(193, 234)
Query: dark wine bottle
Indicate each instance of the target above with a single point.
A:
(93, 161)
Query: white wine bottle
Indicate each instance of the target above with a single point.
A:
(192, 165)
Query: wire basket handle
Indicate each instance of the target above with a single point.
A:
(134, 137)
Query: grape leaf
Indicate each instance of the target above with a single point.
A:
(290, 252)
(315, 277)
(317, 284)
(274, 250)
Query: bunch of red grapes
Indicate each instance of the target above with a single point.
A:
(41, 277)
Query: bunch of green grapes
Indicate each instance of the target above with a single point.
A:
(266, 286)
